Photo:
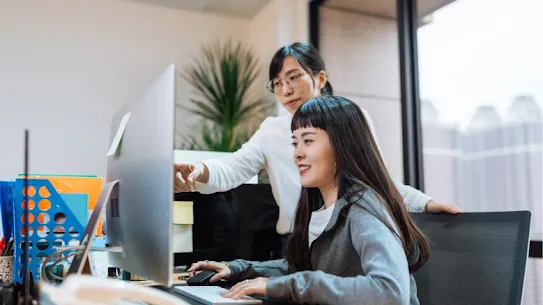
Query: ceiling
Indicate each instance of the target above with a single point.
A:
(248, 8)
(237, 8)
(385, 8)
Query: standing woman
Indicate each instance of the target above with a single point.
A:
(297, 73)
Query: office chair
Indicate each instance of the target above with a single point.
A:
(257, 214)
(475, 258)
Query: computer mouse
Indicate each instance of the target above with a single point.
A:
(202, 278)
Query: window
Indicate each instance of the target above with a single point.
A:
(481, 76)
(359, 43)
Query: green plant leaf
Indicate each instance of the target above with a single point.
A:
(222, 78)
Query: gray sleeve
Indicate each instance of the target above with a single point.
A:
(243, 269)
(386, 279)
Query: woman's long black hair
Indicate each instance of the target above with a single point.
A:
(358, 163)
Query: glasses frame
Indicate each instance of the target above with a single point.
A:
(284, 82)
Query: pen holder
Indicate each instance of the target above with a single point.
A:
(6, 269)
(51, 224)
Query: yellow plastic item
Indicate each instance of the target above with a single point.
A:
(182, 213)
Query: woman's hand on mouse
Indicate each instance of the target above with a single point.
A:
(222, 269)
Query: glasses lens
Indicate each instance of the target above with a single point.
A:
(294, 80)
(277, 88)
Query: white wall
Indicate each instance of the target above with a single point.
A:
(361, 55)
(262, 37)
(279, 23)
(67, 65)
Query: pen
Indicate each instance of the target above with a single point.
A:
(9, 248)
(3, 245)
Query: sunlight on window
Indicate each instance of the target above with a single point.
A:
(481, 76)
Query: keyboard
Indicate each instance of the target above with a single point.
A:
(211, 295)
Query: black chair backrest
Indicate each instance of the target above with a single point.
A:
(255, 207)
(475, 258)
(257, 214)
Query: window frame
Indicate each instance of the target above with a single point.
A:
(407, 24)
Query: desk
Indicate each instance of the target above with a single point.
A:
(193, 302)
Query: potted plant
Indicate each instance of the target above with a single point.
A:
(225, 100)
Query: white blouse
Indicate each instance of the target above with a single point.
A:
(318, 222)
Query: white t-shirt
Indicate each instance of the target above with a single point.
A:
(318, 222)
(271, 148)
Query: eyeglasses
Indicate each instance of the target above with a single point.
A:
(276, 86)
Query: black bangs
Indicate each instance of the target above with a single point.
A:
(306, 55)
(313, 113)
(277, 61)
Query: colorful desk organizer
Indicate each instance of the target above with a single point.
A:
(6, 207)
(56, 206)
(71, 184)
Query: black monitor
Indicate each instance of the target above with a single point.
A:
(235, 224)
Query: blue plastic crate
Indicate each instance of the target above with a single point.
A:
(46, 228)
(6, 207)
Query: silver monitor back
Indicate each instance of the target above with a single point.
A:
(138, 217)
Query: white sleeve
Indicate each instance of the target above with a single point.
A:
(414, 199)
(229, 172)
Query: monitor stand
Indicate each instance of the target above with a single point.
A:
(80, 263)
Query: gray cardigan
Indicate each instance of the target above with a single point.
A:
(357, 260)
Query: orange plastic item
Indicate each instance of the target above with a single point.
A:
(92, 186)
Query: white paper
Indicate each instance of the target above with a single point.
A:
(182, 239)
(118, 135)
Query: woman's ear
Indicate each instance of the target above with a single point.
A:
(321, 79)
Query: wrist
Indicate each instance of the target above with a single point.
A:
(225, 263)
(427, 205)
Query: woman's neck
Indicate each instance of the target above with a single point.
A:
(329, 194)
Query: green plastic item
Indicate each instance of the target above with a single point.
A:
(48, 175)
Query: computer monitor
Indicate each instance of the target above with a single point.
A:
(139, 215)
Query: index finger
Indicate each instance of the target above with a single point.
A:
(453, 209)
(182, 166)
(195, 266)
(207, 265)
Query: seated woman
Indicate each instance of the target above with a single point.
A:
(353, 240)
